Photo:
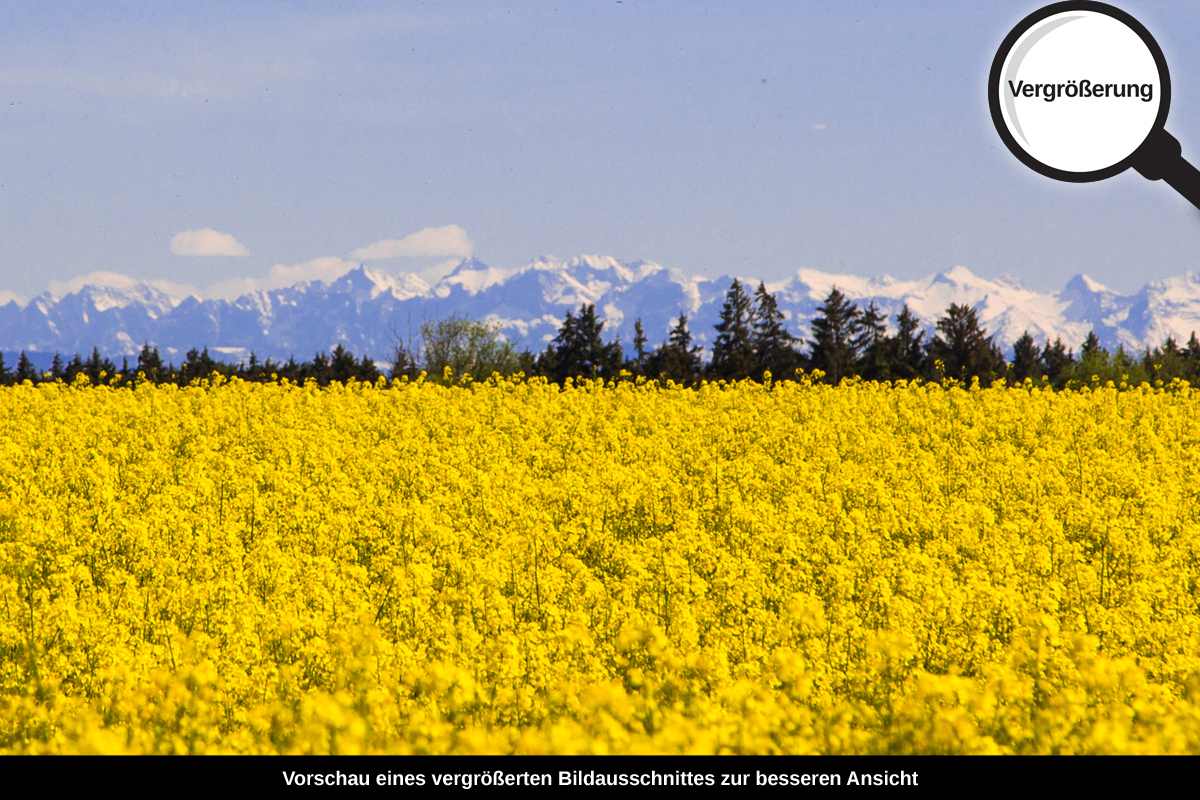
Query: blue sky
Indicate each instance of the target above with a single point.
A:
(750, 138)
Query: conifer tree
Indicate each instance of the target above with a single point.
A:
(733, 349)
(25, 369)
(74, 367)
(873, 345)
(1057, 361)
(197, 365)
(1190, 355)
(1027, 358)
(57, 371)
(149, 363)
(906, 351)
(774, 347)
(98, 368)
(638, 365)
(963, 346)
(342, 366)
(676, 359)
(835, 331)
(578, 351)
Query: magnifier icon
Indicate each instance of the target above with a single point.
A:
(1079, 91)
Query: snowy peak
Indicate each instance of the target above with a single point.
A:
(366, 308)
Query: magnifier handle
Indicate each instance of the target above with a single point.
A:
(1161, 158)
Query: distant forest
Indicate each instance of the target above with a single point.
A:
(752, 342)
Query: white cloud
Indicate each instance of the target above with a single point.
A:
(7, 297)
(326, 268)
(820, 126)
(448, 240)
(280, 276)
(231, 289)
(438, 271)
(206, 242)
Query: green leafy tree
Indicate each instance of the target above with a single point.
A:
(466, 347)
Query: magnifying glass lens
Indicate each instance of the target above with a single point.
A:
(1077, 92)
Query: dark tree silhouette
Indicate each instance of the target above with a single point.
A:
(676, 359)
(1027, 358)
(579, 352)
(1057, 361)
(733, 349)
(774, 348)
(906, 349)
(149, 363)
(835, 332)
(1091, 346)
(873, 345)
(25, 369)
(638, 365)
(963, 346)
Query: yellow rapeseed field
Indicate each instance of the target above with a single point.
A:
(511, 567)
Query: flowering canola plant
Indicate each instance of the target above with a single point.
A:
(507, 566)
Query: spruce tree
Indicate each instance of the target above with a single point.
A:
(57, 371)
(774, 347)
(98, 368)
(906, 351)
(1057, 361)
(25, 369)
(578, 351)
(835, 332)
(963, 346)
(1191, 359)
(638, 365)
(74, 368)
(676, 359)
(342, 366)
(873, 345)
(149, 363)
(197, 365)
(1091, 347)
(733, 349)
(1027, 358)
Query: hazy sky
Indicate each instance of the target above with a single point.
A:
(750, 138)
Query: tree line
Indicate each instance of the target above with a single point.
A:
(751, 342)
(849, 341)
(339, 365)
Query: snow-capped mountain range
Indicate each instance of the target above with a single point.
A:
(366, 309)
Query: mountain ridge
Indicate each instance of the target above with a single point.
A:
(366, 309)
